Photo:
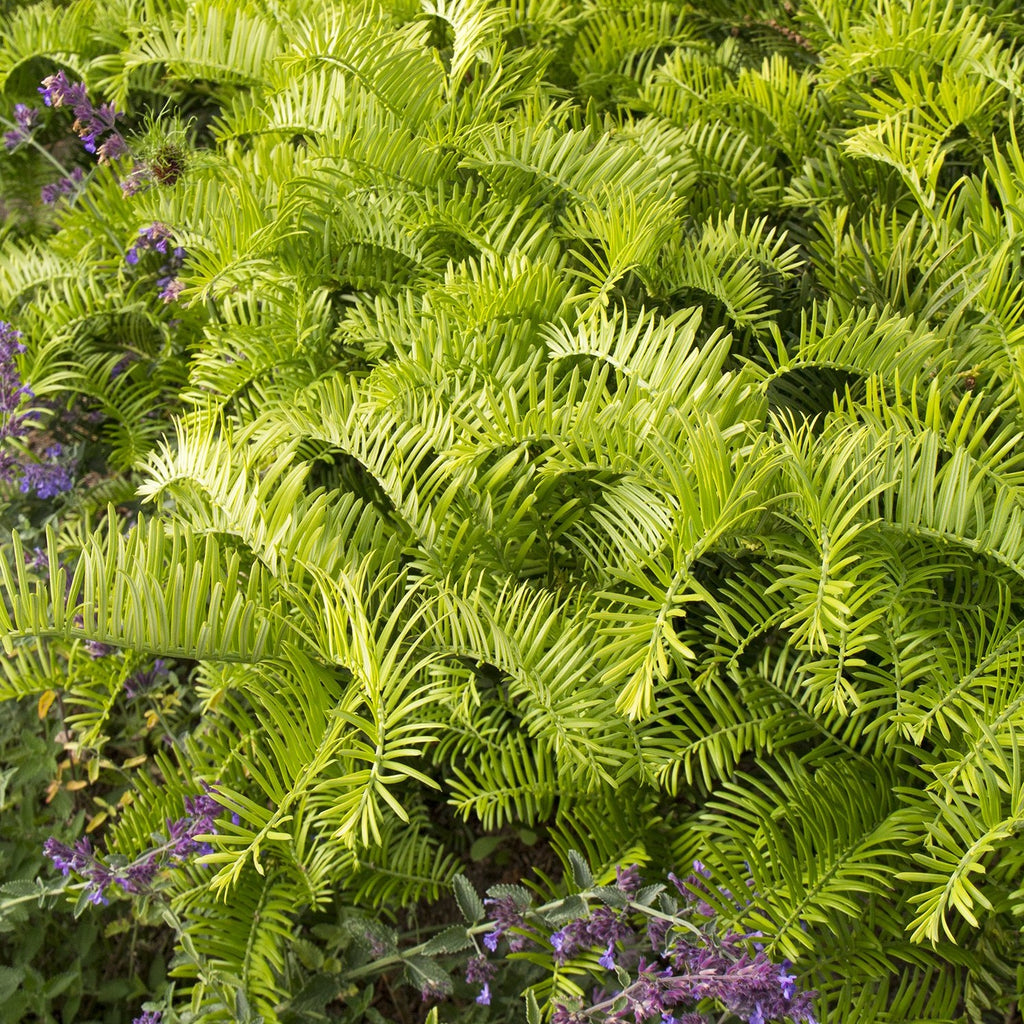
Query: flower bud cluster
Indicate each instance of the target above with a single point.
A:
(136, 876)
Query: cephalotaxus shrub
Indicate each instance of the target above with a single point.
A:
(437, 438)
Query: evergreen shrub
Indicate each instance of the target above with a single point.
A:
(489, 444)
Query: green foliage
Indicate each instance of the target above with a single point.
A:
(596, 418)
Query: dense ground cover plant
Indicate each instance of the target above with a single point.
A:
(593, 422)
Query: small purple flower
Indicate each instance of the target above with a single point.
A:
(149, 1017)
(57, 91)
(139, 876)
(507, 915)
(63, 856)
(48, 478)
(68, 186)
(479, 971)
(25, 119)
(172, 290)
(145, 679)
(114, 147)
(607, 960)
(137, 180)
(628, 879)
(37, 558)
(787, 982)
(657, 929)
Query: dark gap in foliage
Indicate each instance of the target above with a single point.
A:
(333, 468)
(811, 391)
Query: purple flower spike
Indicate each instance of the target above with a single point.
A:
(114, 147)
(68, 186)
(25, 119)
(46, 479)
(149, 1017)
(57, 91)
(63, 856)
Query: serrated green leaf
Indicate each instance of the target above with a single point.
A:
(648, 894)
(470, 904)
(423, 973)
(521, 896)
(532, 1008)
(82, 903)
(569, 909)
(451, 940)
(611, 894)
(581, 873)
(21, 887)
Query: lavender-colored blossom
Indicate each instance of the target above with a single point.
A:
(12, 390)
(137, 876)
(159, 238)
(137, 180)
(92, 123)
(664, 968)
(57, 91)
(145, 679)
(24, 120)
(37, 558)
(199, 819)
(628, 879)
(787, 982)
(479, 971)
(61, 854)
(172, 290)
(149, 1017)
(657, 929)
(506, 915)
(48, 478)
(69, 186)
(113, 148)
